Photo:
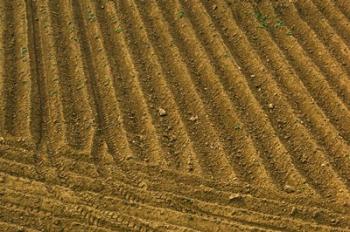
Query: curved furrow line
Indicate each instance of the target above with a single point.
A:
(273, 152)
(78, 113)
(173, 138)
(245, 202)
(18, 216)
(105, 202)
(343, 6)
(101, 80)
(75, 210)
(18, 155)
(333, 42)
(295, 211)
(17, 79)
(28, 217)
(19, 142)
(190, 217)
(71, 167)
(68, 208)
(148, 214)
(138, 120)
(335, 18)
(304, 151)
(210, 153)
(309, 38)
(298, 95)
(72, 170)
(10, 227)
(110, 206)
(216, 102)
(313, 79)
(77, 226)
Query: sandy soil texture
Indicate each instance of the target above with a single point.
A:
(174, 115)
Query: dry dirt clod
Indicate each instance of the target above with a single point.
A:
(162, 112)
(289, 189)
(235, 196)
(293, 211)
(194, 118)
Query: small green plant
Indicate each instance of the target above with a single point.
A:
(118, 30)
(91, 16)
(23, 52)
(279, 23)
(237, 126)
(180, 14)
(262, 20)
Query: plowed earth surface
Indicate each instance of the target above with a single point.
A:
(179, 115)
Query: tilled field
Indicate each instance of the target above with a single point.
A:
(179, 115)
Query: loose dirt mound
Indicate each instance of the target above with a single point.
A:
(180, 115)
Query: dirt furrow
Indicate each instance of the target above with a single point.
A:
(185, 82)
(343, 6)
(173, 138)
(9, 227)
(335, 17)
(248, 203)
(274, 157)
(142, 212)
(143, 136)
(53, 126)
(307, 34)
(78, 108)
(17, 82)
(179, 115)
(311, 115)
(313, 79)
(104, 202)
(243, 155)
(218, 168)
(326, 33)
(304, 150)
(104, 92)
(3, 44)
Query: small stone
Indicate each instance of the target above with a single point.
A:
(252, 75)
(293, 211)
(235, 196)
(1, 139)
(162, 112)
(316, 214)
(194, 118)
(215, 7)
(289, 189)
(271, 106)
(102, 7)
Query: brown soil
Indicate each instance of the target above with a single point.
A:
(180, 115)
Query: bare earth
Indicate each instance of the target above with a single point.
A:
(174, 115)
